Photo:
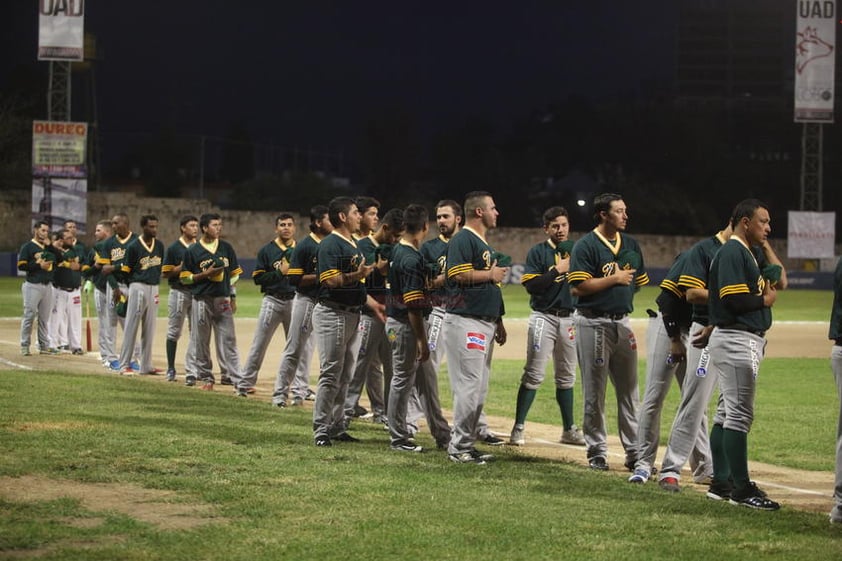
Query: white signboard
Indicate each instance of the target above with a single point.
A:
(61, 29)
(811, 234)
(815, 56)
(57, 200)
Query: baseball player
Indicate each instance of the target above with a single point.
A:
(374, 358)
(142, 270)
(96, 284)
(550, 332)
(472, 323)
(211, 270)
(666, 344)
(342, 269)
(688, 435)
(606, 267)
(38, 263)
(741, 298)
(66, 320)
(180, 300)
(271, 275)
(303, 274)
(111, 261)
(406, 329)
(835, 334)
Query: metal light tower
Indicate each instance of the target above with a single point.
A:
(812, 176)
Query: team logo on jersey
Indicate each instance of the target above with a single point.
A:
(486, 257)
(475, 341)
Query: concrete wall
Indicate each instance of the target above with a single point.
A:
(249, 230)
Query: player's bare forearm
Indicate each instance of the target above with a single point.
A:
(697, 296)
(416, 322)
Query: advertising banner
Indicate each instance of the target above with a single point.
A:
(815, 57)
(61, 29)
(811, 234)
(59, 148)
(57, 200)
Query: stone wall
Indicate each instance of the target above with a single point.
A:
(249, 230)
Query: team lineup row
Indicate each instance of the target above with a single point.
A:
(384, 304)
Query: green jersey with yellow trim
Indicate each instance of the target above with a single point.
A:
(735, 270)
(468, 251)
(30, 256)
(304, 261)
(407, 282)
(338, 255)
(375, 283)
(200, 257)
(64, 276)
(594, 256)
(835, 331)
(143, 262)
(696, 271)
(267, 270)
(434, 252)
(540, 259)
(115, 253)
(173, 257)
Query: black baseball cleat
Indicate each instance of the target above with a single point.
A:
(752, 497)
(491, 440)
(323, 442)
(598, 463)
(345, 437)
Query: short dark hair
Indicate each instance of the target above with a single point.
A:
(104, 224)
(415, 217)
(393, 219)
(144, 220)
(364, 203)
(337, 206)
(39, 223)
(457, 208)
(284, 216)
(473, 200)
(602, 203)
(316, 214)
(746, 209)
(187, 218)
(552, 213)
(206, 218)
(69, 221)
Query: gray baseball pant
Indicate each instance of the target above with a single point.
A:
(179, 308)
(273, 313)
(105, 340)
(736, 356)
(424, 399)
(214, 314)
(335, 331)
(607, 350)
(469, 345)
(689, 434)
(295, 360)
(374, 361)
(37, 302)
(836, 366)
(550, 336)
(141, 312)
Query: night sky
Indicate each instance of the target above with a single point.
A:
(315, 72)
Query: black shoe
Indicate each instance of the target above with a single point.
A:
(630, 463)
(190, 381)
(345, 437)
(598, 463)
(480, 457)
(226, 381)
(719, 491)
(752, 497)
(323, 441)
(491, 440)
(360, 411)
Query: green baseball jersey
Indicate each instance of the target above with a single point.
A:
(736, 270)
(407, 282)
(92, 273)
(29, 258)
(467, 251)
(267, 270)
(304, 261)
(173, 257)
(434, 252)
(200, 257)
(143, 262)
(64, 276)
(671, 299)
(539, 260)
(696, 270)
(338, 255)
(115, 253)
(594, 256)
(835, 331)
(375, 283)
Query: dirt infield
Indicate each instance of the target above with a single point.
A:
(800, 489)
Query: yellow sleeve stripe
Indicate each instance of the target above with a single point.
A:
(413, 296)
(669, 285)
(167, 268)
(458, 269)
(329, 274)
(642, 280)
(22, 262)
(295, 272)
(579, 276)
(733, 289)
(528, 277)
(691, 282)
(257, 272)
(125, 269)
(237, 272)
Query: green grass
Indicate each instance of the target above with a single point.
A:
(282, 498)
(792, 305)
